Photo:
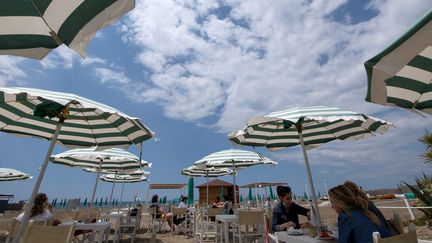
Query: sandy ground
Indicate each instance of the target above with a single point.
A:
(328, 215)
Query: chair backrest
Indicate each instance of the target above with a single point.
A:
(396, 223)
(211, 212)
(178, 211)
(48, 234)
(87, 214)
(410, 237)
(250, 217)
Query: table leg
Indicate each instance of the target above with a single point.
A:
(226, 232)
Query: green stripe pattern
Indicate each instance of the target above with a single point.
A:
(240, 158)
(7, 174)
(401, 75)
(113, 160)
(320, 125)
(123, 178)
(200, 171)
(90, 123)
(27, 24)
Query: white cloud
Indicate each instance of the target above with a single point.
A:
(264, 55)
(10, 72)
(108, 76)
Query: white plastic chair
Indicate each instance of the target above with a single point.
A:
(48, 234)
(409, 237)
(206, 229)
(128, 225)
(250, 226)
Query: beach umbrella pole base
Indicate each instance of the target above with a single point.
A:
(309, 174)
(43, 167)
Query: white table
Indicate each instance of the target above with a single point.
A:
(285, 237)
(226, 220)
(102, 228)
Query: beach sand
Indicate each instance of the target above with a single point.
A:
(329, 217)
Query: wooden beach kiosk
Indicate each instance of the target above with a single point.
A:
(215, 187)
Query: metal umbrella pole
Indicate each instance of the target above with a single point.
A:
(121, 196)
(43, 167)
(308, 170)
(112, 189)
(235, 193)
(96, 183)
(207, 197)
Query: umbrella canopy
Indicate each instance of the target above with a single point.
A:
(309, 127)
(7, 174)
(67, 119)
(240, 158)
(203, 171)
(113, 159)
(235, 159)
(319, 125)
(190, 191)
(222, 194)
(271, 193)
(87, 123)
(122, 178)
(401, 74)
(33, 28)
(250, 196)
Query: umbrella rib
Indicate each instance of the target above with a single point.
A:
(53, 34)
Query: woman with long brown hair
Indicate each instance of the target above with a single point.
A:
(356, 222)
(41, 211)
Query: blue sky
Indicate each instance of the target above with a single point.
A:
(194, 71)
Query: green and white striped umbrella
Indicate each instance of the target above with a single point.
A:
(235, 159)
(240, 158)
(88, 123)
(113, 178)
(200, 171)
(320, 125)
(308, 127)
(7, 174)
(33, 28)
(204, 171)
(401, 74)
(67, 119)
(109, 160)
(114, 160)
(123, 178)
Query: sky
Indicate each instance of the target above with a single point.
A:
(194, 71)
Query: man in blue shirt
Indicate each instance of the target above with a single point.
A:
(285, 213)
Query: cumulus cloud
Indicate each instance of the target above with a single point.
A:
(109, 76)
(10, 71)
(265, 56)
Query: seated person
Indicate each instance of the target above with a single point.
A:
(134, 211)
(227, 205)
(41, 210)
(159, 212)
(217, 203)
(356, 222)
(183, 204)
(285, 213)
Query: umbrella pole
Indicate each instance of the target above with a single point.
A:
(121, 197)
(43, 167)
(309, 174)
(235, 193)
(112, 189)
(96, 183)
(207, 191)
